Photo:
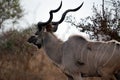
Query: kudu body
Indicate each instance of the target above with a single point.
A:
(77, 57)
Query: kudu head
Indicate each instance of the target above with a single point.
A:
(48, 26)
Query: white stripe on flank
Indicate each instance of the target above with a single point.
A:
(81, 56)
(111, 55)
(103, 55)
(96, 55)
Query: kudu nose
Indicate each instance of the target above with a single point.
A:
(32, 39)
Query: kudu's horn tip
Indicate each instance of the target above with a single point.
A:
(82, 2)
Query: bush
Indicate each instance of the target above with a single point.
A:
(14, 42)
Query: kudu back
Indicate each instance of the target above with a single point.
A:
(77, 57)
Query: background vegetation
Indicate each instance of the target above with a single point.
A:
(10, 10)
(104, 24)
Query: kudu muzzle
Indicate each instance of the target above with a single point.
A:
(33, 40)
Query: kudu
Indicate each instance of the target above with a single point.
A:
(77, 56)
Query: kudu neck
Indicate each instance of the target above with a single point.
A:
(52, 47)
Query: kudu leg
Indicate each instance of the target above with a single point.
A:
(117, 75)
(106, 75)
(69, 77)
(77, 76)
